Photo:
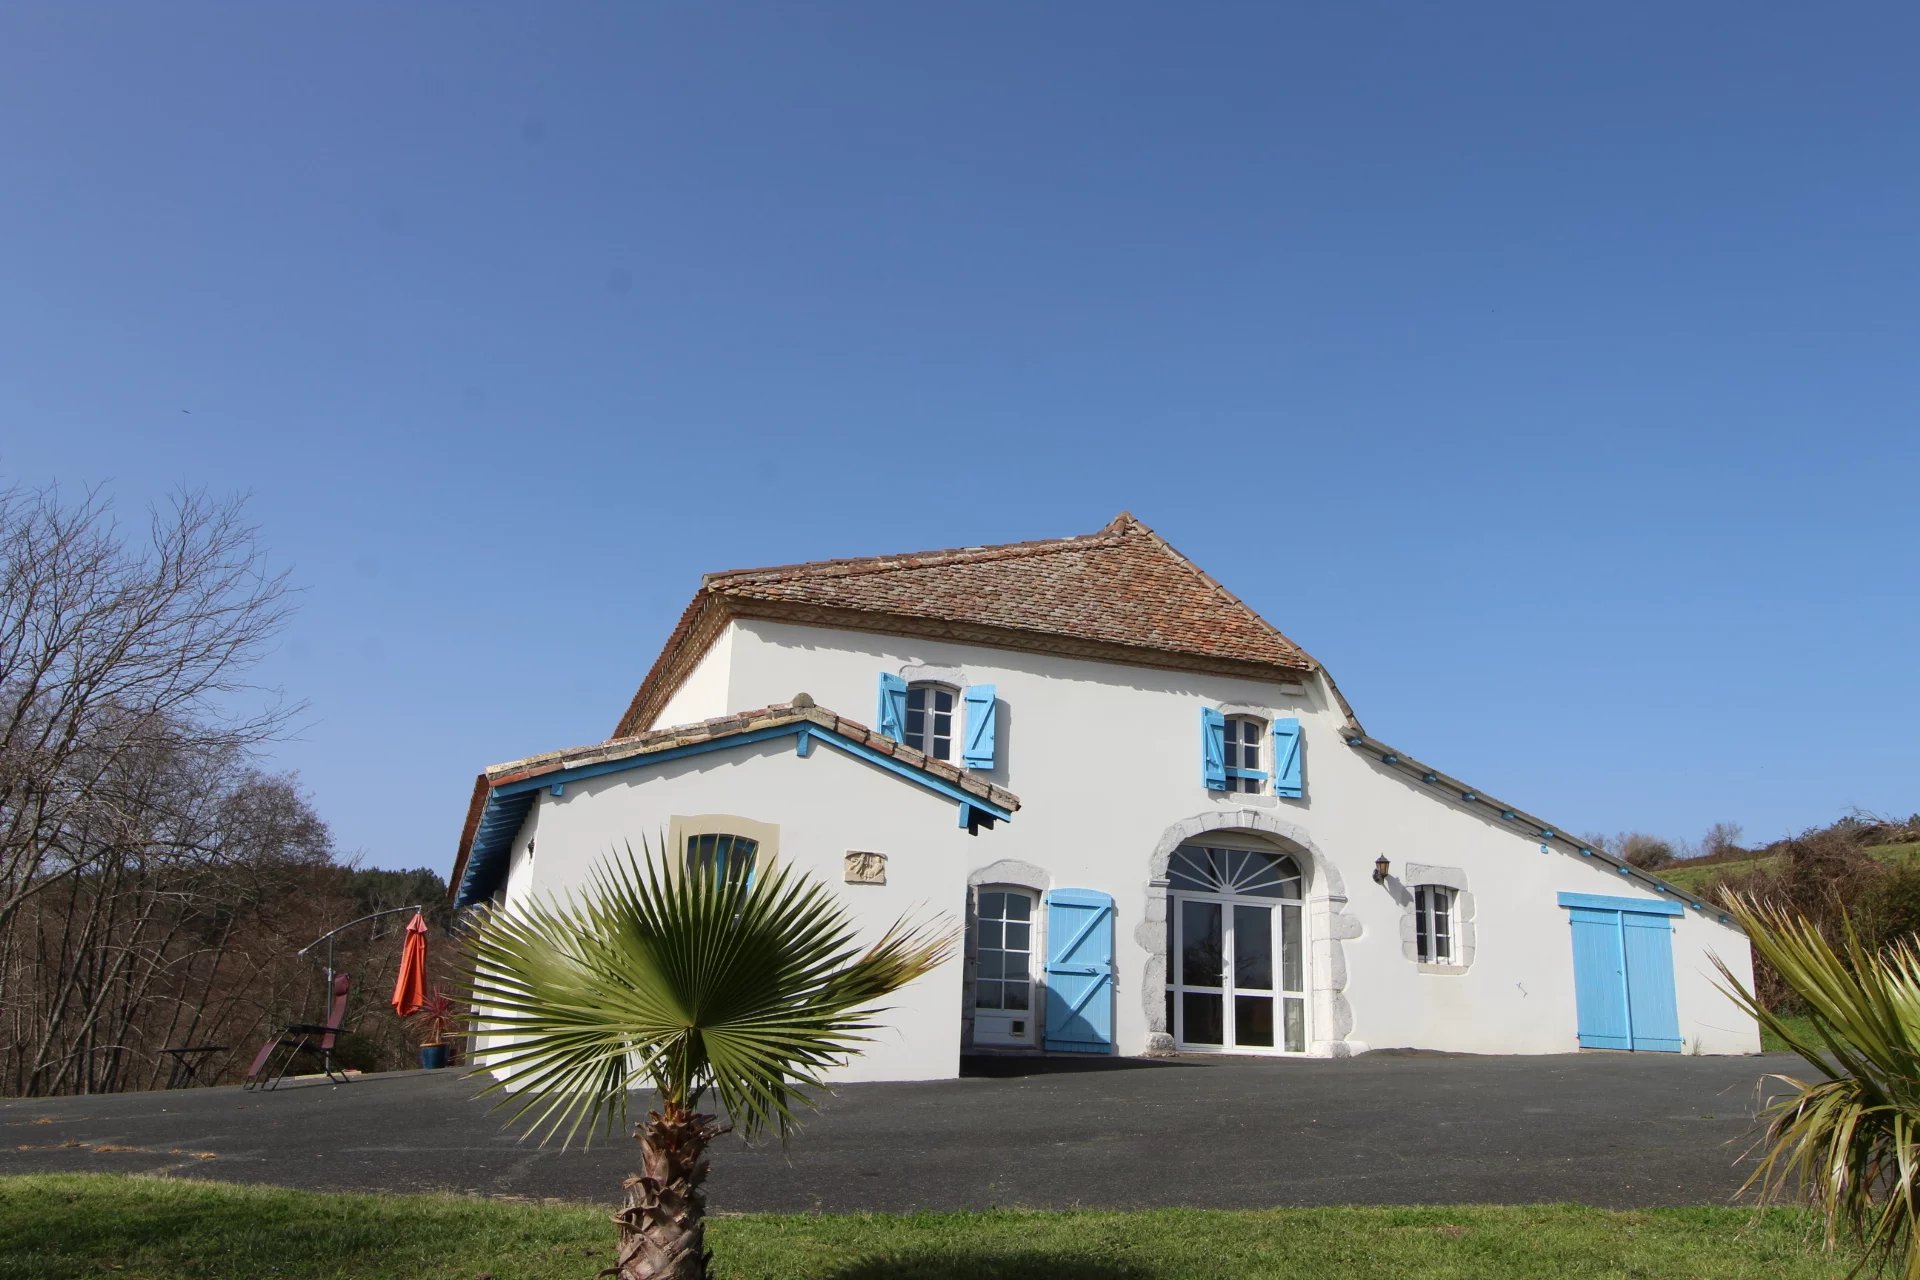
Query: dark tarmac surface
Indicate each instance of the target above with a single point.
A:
(1617, 1130)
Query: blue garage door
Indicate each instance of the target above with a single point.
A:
(1623, 972)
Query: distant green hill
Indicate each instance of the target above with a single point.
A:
(1695, 879)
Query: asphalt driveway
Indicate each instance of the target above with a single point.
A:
(1618, 1130)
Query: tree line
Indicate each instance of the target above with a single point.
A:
(155, 881)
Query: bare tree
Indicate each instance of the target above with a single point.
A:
(112, 646)
(1649, 853)
(125, 716)
(1722, 840)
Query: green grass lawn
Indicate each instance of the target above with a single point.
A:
(59, 1226)
(1694, 879)
(1770, 1043)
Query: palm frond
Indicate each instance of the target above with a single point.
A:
(1846, 1140)
(750, 986)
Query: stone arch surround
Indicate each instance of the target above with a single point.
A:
(1330, 926)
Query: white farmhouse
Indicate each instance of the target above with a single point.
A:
(1163, 824)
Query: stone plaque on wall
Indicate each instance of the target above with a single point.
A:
(866, 868)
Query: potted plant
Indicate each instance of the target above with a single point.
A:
(435, 1018)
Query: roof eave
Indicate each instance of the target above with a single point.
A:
(1522, 822)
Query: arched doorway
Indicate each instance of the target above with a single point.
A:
(1237, 950)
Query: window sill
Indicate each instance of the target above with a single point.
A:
(1242, 797)
(1448, 970)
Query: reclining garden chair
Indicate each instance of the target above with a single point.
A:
(303, 1039)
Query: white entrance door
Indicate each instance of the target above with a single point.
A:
(1236, 980)
(1003, 969)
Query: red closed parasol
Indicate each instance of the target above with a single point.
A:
(410, 992)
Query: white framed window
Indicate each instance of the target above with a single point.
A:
(1433, 925)
(930, 716)
(1243, 754)
(1003, 950)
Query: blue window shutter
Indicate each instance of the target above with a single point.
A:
(1287, 751)
(1079, 971)
(892, 720)
(982, 725)
(1213, 749)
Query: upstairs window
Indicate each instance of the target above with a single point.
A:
(929, 721)
(927, 715)
(1234, 756)
(1243, 754)
(722, 853)
(724, 843)
(1433, 930)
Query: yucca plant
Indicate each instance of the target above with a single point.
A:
(1848, 1140)
(733, 985)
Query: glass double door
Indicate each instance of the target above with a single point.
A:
(1236, 978)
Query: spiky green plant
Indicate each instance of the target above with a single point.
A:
(692, 983)
(1849, 1140)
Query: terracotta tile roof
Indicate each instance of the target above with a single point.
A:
(772, 717)
(1121, 594)
(489, 867)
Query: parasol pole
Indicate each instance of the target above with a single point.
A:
(327, 937)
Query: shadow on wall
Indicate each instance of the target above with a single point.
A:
(960, 1265)
(1013, 1066)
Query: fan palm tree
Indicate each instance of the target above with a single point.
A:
(1849, 1139)
(710, 982)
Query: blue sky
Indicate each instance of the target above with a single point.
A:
(1549, 373)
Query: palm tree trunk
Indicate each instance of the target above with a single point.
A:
(663, 1229)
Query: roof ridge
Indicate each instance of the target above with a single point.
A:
(848, 565)
(1213, 584)
(1122, 593)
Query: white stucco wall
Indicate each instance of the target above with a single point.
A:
(824, 804)
(703, 695)
(1105, 759)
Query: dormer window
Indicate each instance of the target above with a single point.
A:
(929, 719)
(1244, 734)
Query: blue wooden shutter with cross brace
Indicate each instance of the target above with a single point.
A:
(892, 720)
(982, 725)
(1288, 748)
(1213, 749)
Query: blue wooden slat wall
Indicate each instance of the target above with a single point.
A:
(1079, 971)
(1600, 980)
(1650, 995)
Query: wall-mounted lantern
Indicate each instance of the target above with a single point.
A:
(1380, 866)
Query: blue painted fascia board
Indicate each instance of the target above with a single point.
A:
(507, 804)
(602, 767)
(492, 840)
(1606, 902)
(931, 782)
